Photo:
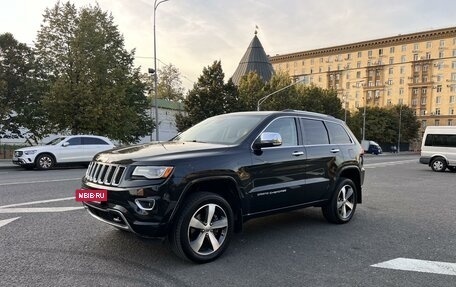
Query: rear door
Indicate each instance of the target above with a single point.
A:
(92, 146)
(322, 159)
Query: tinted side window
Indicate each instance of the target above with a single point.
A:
(75, 141)
(337, 134)
(92, 141)
(286, 127)
(314, 132)
(440, 140)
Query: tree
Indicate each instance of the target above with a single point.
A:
(92, 84)
(251, 90)
(170, 84)
(210, 96)
(20, 88)
(316, 99)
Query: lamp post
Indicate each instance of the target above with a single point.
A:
(151, 72)
(399, 135)
(260, 101)
(156, 3)
(345, 98)
(364, 119)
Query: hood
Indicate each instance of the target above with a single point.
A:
(164, 151)
(37, 148)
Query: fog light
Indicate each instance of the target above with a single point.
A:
(146, 204)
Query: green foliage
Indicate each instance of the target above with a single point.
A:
(315, 99)
(20, 88)
(210, 96)
(251, 90)
(92, 84)
(169, 84)
(382, 124)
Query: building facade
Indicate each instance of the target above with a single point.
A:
(417, 70)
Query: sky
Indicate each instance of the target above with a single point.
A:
(192, 34)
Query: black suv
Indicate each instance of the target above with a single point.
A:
(198, 188)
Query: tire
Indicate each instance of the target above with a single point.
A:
(44, 161)
(452, 168)
(438, 164)
(343, 203)
(194, 235)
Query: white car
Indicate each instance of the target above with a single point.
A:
(75, 149)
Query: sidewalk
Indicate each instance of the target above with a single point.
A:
(7, 164)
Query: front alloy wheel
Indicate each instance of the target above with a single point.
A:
(45, 161)
(438, 164)
(203, 228)
(342, 206)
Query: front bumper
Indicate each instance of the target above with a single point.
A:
(123, 210)
(425, 160)
(22, 161)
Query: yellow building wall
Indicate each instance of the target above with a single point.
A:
(417, 70)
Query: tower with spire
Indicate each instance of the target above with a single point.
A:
(254, 60)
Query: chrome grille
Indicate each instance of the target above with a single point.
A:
(105, 173)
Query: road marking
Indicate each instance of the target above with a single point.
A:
(38, 209)
(6, 221)
(38, 202)
(388, 163)
(40, 181)
(416, 265)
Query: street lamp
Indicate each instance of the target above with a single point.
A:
(364, 118)
(260, 101)
(399, 135)
(151, 72)
(345, 98)
(156, 3)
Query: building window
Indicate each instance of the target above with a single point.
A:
(454, 53)
(388, 102)
(423, 124)
(390, 81)
(450, 122)
(416, 80)
(424, 91)
(370, 84)
(441, 54)
(380, 52)
(360, 54)
(391, 60)
(402, 69)
(414, 102)
(451, 111)
(369, 53)
(404, 48)
(358, 65)
(417, 68)
(437, 111)
(439, 78)
(423, 112)
(403, 59)
(358, 74)
(453, 76)
(453, 65)
(312, 61)
(415, 91)
(416, 46)
(442, 43)
(391, 50)
(377, 83)
(428, 45)
(401, 81)
(452, 99)
(437, 100)
(415, 57)
(437, 122)
(319, 79)
(390, 71)
(347, 85)
(425, 68)
(401, 91)
(428, 55)
(439, 88)
(349, 56)
(388, 92)
(400, 101)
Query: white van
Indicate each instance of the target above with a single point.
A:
(438, 149)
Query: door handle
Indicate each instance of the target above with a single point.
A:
(298, 153)
(335, 150)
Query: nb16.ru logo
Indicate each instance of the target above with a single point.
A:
(91, 195)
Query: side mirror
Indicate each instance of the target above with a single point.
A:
(65, 144)
(267, 139)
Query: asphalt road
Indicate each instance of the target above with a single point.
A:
(408, 212)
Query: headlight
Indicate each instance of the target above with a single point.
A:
(153, 172)
(29, 152)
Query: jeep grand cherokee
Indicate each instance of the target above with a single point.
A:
(199, 188)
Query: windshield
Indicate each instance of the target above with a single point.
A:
(55, 141)
(224, 129)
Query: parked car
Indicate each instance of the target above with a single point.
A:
(371, 147)
(198, 188)
(77, 149)
(438, 148)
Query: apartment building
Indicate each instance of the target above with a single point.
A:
(417, 70)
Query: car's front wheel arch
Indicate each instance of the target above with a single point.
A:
(51, 163)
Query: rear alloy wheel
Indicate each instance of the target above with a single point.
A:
(204, 228)
(45, 161)
(342, 206)
(438, 164)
